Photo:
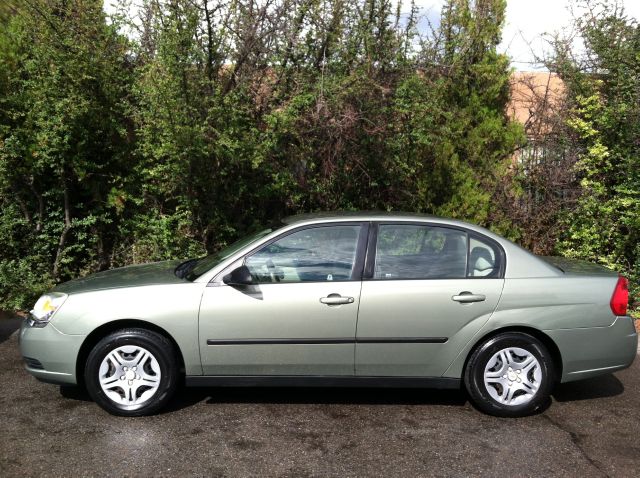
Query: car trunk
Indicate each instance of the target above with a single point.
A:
(577, 267)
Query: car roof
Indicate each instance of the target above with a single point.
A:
(341, 216)
(520, 262)
(367, 216)
(390, 216)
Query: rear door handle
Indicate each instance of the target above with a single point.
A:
(336, 299)
(466, 297)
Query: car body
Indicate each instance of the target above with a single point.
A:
(368, 299)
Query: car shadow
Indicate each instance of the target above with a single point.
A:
(8, 325)
(341, 396)
(188, 397)
(75, 392)
(598, 387)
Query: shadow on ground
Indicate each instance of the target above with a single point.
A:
(335, 396)
(9, 323)
(187, 397)
(599, 387)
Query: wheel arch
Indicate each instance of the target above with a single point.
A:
(548, 342)
(103, 330)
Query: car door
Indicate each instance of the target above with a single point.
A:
(300, 316)
(426, 291)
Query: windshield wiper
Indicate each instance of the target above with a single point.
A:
(185, 267)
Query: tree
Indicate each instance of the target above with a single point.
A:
(604, 94)
(64, 142)
(209, 117)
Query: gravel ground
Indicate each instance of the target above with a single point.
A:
(592, 428)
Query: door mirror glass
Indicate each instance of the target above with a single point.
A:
(239, 276)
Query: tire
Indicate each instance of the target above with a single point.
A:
(510, 375)
(132, 372)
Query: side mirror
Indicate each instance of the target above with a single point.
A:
(239, 276)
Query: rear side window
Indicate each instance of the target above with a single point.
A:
(484, 259)
(407, 251)
(410, 251)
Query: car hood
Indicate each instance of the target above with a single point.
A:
(130, 276)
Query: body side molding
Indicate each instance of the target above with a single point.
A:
(338, 340)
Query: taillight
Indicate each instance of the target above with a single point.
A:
(620, 297)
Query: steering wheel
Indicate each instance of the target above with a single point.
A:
(275, 274)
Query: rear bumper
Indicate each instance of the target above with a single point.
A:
(49, 355)
(594, 351)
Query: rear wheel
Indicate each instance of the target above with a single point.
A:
(132, 372)
(510, 375)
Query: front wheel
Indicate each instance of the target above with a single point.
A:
(132, 372)
(510, 375)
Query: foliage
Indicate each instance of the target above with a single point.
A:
(168, 134)
(169, 129)
(604, 95)
(63, 142)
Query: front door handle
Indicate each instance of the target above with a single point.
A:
(336, 299)
(466, 297)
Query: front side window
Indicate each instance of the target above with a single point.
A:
(326, 253)
(406, 251)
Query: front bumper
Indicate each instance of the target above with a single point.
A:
(49, 355)
(594, 351)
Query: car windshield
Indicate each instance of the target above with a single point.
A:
(204, 264)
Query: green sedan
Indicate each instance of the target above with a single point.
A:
(359, 300)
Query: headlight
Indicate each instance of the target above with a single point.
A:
(46, 307)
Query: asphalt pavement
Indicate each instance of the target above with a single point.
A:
(592, 428)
